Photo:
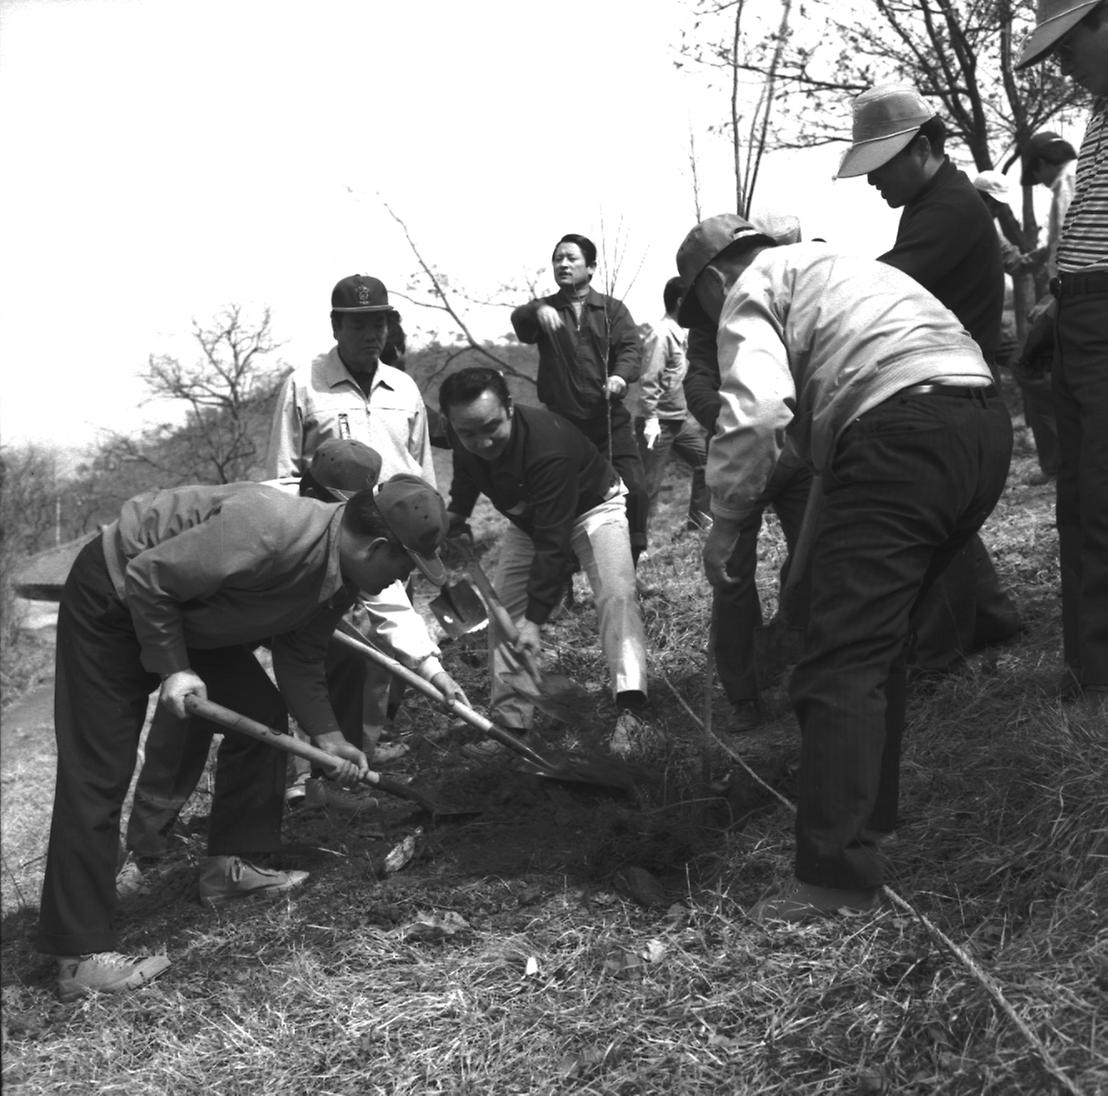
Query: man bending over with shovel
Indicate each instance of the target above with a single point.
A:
(560, 496)
(182, 588)
(882, 391)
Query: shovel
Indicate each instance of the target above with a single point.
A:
(558, 696)
(554, 765)
(459, 610)
(780, 642)
(224, 717)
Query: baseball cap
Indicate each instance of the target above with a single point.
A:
(342, 467)
(886, 118)
(416, 516)
(360, 293)
(1054, 19)
(1044, 145)
(710, 238)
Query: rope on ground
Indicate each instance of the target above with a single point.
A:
(983, 978)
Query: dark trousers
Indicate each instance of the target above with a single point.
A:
(1038, 413)
(1081, 405)
(612, 433)
(177, 750)
(101, 694)
(910, 483)
(684, 438)
(964, 610)
(738, 609)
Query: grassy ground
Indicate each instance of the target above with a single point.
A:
(524, 950)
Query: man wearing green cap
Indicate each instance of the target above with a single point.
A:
(182, 588)
(876, 385)
(1075, 32)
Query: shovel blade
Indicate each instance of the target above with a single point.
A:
(459, 610)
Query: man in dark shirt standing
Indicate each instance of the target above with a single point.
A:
(560, 496)
(946, 241)
(589, 352)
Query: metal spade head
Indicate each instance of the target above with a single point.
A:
(459, 609)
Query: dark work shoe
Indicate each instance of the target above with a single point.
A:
(106, 972)
(746, 715)
(801, 902)
(228, 878)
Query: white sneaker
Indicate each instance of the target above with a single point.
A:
(106, 972)
(228, 878)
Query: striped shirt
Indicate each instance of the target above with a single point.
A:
(1084, 244)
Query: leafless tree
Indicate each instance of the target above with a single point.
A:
(223, 390)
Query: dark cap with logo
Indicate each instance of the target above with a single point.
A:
(340, 468)
(360, 293)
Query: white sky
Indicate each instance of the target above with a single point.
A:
(164, 157)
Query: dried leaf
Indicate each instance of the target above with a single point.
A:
(654, 951)
(400, 856)
(531, 968)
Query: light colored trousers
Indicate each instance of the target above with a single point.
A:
(601, 543)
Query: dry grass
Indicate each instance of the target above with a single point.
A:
(557, 983)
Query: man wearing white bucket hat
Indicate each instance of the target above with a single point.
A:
(946, 241)
(1077, 34)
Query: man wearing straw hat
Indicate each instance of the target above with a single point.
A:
(946, 241)
(1075, 32)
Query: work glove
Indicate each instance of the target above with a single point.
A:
(651, 431)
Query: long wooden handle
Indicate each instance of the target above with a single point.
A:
(349, 636)
(233, 721)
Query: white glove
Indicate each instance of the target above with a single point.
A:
(651, 431)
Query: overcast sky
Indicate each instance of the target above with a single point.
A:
(164, 157)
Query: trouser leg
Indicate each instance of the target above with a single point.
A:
(249, 775)
(175, 757)
(738, 613)
(690, 443)
(910, 482)
(347, 673)
(1081, 394)
(510, 582)
(1038, 412)
(654, 460)
(601, 544)
(100, 698)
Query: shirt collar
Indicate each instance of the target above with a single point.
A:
(337, 373)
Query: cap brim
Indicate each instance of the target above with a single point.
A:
(432, 567)
(367, 308)
(1045, 37)
(868, 156)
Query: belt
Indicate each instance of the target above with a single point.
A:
(1079, 282)
(963, 391)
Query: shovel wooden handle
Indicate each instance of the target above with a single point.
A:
(233, 721)
(349, 636)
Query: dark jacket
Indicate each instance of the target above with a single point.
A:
(946, 241)
(574, 364)
(237, 564)
(547, 477)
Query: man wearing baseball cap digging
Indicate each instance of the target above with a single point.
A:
(1076, 33)
(182, 588)
(946, 241)
(878, 387)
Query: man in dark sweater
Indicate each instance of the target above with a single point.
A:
(561, 497)
(946, 241)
